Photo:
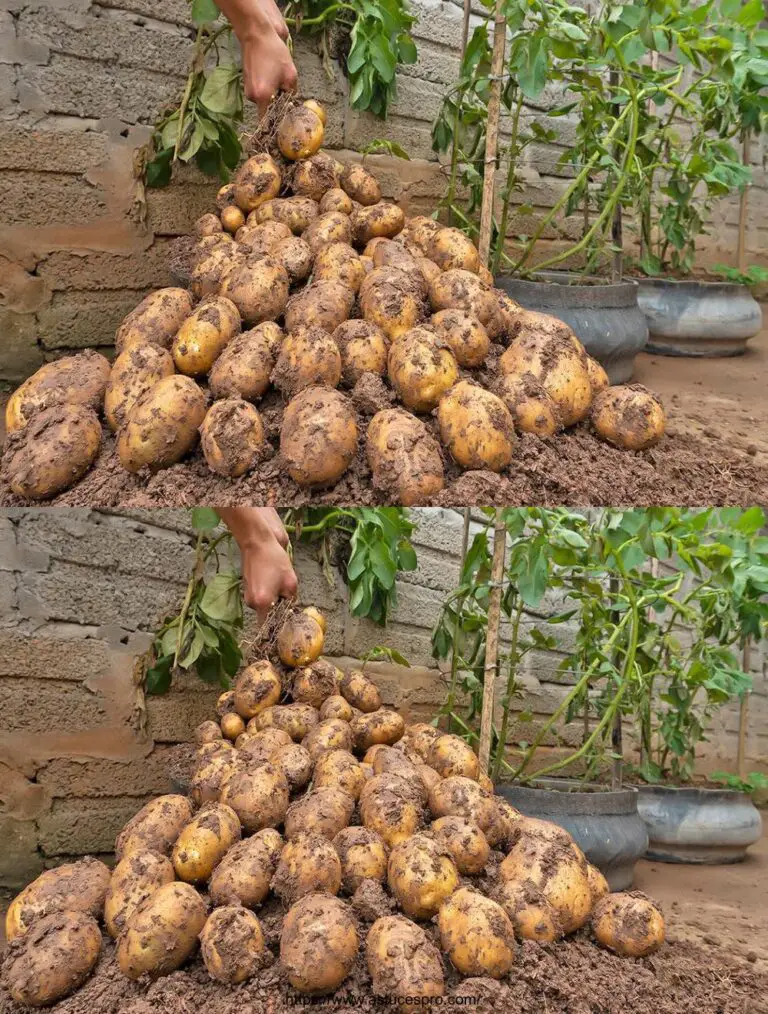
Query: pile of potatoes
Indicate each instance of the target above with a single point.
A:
(309, 789)
(306, 281)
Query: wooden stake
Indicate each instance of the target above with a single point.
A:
(492, 640)
(741, 753)
(741, 248)
(492, 134)
(465, 27)
(617, 232)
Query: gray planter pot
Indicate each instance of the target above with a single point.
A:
(605, 318)
(605, 825)
(687, 318)
(689, 825)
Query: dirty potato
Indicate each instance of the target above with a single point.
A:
(259, 796)
(476, 427)
(134, 372)
(558, 365)
(309, 863)
(232, 437)
(232, 945)
(404, 457)
(361, 692)
(73, 887)
(315, 176)
(421, 369)
(629, 416)
(162, 933)
(325, 304)
(257, 687)
(358, 183)
(163, 425)
(465, 335)
(133, 880)
(339, 262)
(332, 227)
(458, 289)
(258, 289)
(392, 300)
(402, 962)
(381, 726)
(338, 768)
(313, 684)
(532, 408)
(363, 855)
(332, 734)
(300, 133)
(204, 841)
(256, 181)
(381, 219)
(155, 827)
(156, 319)
(629, 924)
(300, 640)
(451, 249)
(531, 915)
(324, 811)
(319, 944)
(309, 357)
(450, 755)
(243, 369)
(319, 436)
(52, 452)
(204, 335)
(296, 761)
(465, 841)
(422, 876)
(296, 257)
(336, 199)
(476, 934)
(387, 808)
(336, 706)
(74, 380)
(297, 213)
(244, 875)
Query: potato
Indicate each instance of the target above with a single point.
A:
(309, 863)
(387, 808)
(232, 219)
(629, 416)
(420, 737)
(450, 755)
(421, 875)
(257, 687)
(340, 263)
(458, 289)
(381, 726)
(309, 357)
(476, 934)
(402, 962)
(264, 744)
(74, 380)
(339, 768)
(421, 369)
(629, 924)
(163, 425)
(317, 109)
(297, 213)
(324, 811)
(258, 796)
(558, 872)
(315, 176)
(392, 253)
(465, 335)
(336, 199)
(296, 257)
(598, 885)
(256, 181)
(232, 945)
(372, 752)
(531, 915)
(465, 841)
(300, 133)
(360, 185)
(421, 231)
(323, 304)
(597, 375)
(457, 796)
(53, 451)
(244, 875)
(255, 241)
(243, 369)
(391, 300)
(73, 887)
(429, 776)
(381, 219)
(451, 249)
(204, 841)
(319, 943)
(212, 772)
(259, 290)
(208, 732)
(134, 879)
(156, 826)
(363, 855)
(225, 703)
(156, 319)
(162, 933)
(404, 457)
(53, 959)
(204, 335)
(225, 196)
(314, 683)
(532, 409)
(134, 372)
(336, 706)
(361, 692)
(332, 227)
(391, 760)
(557, 365)
(319, 436)
(296, 761)
(233, 441)
(208, 225)
(209, 272)
(476, 427)
(332, 734)
(300, 639)
(429, 270)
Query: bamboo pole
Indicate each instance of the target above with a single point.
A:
(741, 248)
(492, 133)
(459, 607)
(465, 27)
(492, 639)
(617, 744)
(741, 752)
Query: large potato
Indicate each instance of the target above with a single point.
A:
(531, 915)
(392, 300)
(210, 269)
(421, 369)
(381, 219)
(363, 854)
(458, 289)
(53, 451)
(156, 319)
(360, 185)
(244, 874)
(204, 335)
(598, 885)
(333, 227)
(336, 199)
(597, 375)
(296, 719)
(402, 962)
(308, 863)
(256, 748)
(243, 369)
(532, 408)
(458, 796)
(325, 303)
(258, 687)
(156, 826)
(232, 437)
(74, 380)
(259, 797)
(465, 841)
(628, 416)
(162, 933)
(451, 248)
(163, 425)
(387, 809)
(450, 755)
(420, 231)
(300, 133)
(361, 692)
(422, 876)
(258, 289)
(404, 457)
(211, 773)
(256, 181)
(133, 880)
(257, 241)
(339, 262)
(309, 357)
(324, 811)
(315, 176)
(332, 734)
(476, 427)
(319, 944)
(314, 683)
(232, 945)
(381, 726)
(559, 367)
(476, 934)
(53, 959)
(559, 873)
(465, 335)
(297, 213)
(629, 924)
(300, 639)
(339, 769)
(336, 707)
(134, 372)
(204, 842)
(364, 349)
(319, 436)
(73, 887)
(420, 737)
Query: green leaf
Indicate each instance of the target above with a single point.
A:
(382, 564)
(221, 599)
(231, 655)
(193, 652)
(221, 92)
(205, 519)
(158, 171)
(169, 639)
(406, 557)
(751, 14)
(208, 667)
(751, 521)
(406, 50)
(204, 11)
(158, 679)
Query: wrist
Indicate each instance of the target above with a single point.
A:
(249, 525)
(248, 19)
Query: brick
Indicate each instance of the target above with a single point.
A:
(20, 355)
(20, 861)
(45, 657)
(174, 210)
(43, 705)
(37, 199)
(8, 93)
(86, 826)
(175, 11)
(413, 134)
(75, 320)
(97, 779)
(97, 271)
(174, 717)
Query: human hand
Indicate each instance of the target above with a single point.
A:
(267, 571)
(268, 68)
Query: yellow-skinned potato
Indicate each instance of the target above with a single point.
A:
(255, 240)
(392, 300)
(204, 335)
(339, 768)
(597, 375)
(339, 262)
(336, 199)
(324, 304)
(259, 797)
(332, 734)
(386, 808)
(317, 616)
(244, 367)
(134, 879)
(74, 380)
(208, 732)
(257, 687)
(296, 761)
(372, 752)
(212, 772)
(381, 726)
(133, 373)
(300, 133)
(558, 366)
(313, 684)
(309, 863)
(476, 934)
(421, 369)
(232, 437)
(297, 213)
(420, 737)
(392, 253)
(319, 943)
(300, 640)
(232, 945)
(210, 270)
(296, 257)
(203, 843)
(263, 747)
(402, 961)
(232, 219)
(465, 335)
(332, 227)
(244, 874)
(422, 876)
(225, 196)
(450, 755)
(162, 933)
(360, 185)
(598, 885)
(317, 109)
(156, 826)
(363, 855)
(324, 811)
(319, 436)
(259, 290)
(458, 289)
(450, 249)
(392, 760)
(629, 416)
(225, 703)
(530, 405)
(531, 915)
(629, 924)
(73, 887)
(381, 219)
(429, 776)
(208, 225)
(163, 425)
(53, 451)
(558, 872)
(476, 427)
(309, 357)
(404, 457)
(465, 841)
(361, 692)
(296, 719)
(156, 319)
(421, 231)
(53, 959)
(485, 275)
(315, 176)
(336, 706)
(429, 270)
(457, 796)
(256, 181)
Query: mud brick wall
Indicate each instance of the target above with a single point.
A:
(81, 81)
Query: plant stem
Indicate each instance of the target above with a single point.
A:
(511, 682)
(450, 703)
(492, 638)
(511, 170)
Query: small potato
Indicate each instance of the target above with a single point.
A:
(465, 841)
(256, 181)
(212, 772)
(204, 841)
(339, 768)
(163, 425)
(381, 726)
(315, 176)
(309, 863)
(309, 357)
(232, 945)
(559, 873)
(381, 219)
(336, 200)
(156, 319)
(52, 452)
(209, 272)
(73, 887)
(257, 687)
(297, 213)
(208, 225)
(404, 457)
(363, 855)
(476, 427)
(392, 300)
(300, 640)
(259, 290)
(259, 797)
(314, 683)
(532, 409)
(336, 707)
(332, 734)
(358, 183)
(134, 879)
(465, 335)
(319, 436)
(629, 924)
(421, 369)
(156, 826)
(225, 197)
(387, 808)
(300, 133)
(232, 726)
(53, 959)
(244, 367)
(134, 372)
(204, 335)
(339, 262)
(361, 692)
(323, 304)
(458, 289)
(208, 732)
(317, 109)
(450, 755)
(296, 257)
(451, 248)
(597, 375)
(422, 876)
(531, 915)
(244, 875)
(232, 219)
(598, 885)
(402, 962)
(232, 437)
(476, 934)
(225, 703)
(162, 933)
(332, 227)
(75, 380)
(558, 366)
(319, 944)
(296, 761)
(629, 416)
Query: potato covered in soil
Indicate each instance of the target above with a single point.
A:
(421, 369)
(465, 841)
(244, 874)
(531, 915)
(629, 416)
(232, 727)
(134, 372)
(309, 863)
(208, 732)
(381, 726)
(244, 367)
(598, 885)
(458, 289)
(360, 185)
(361, 692)
(256, 181)
(213, 771)
(319, 943)
(162, 933)
(74, 380)
(316, 682)
(259, 796)
(465, 335)
(232, 945)
(300, 640)
(364, 856)
(309, 357)
(336, 199)
(391, 300)
(156, 826)
(297, 213)
(429, 777)
(387, 808)
(422, 876)
(256, 748)
(259, 290)
(558, 365)
(204, 335)
(203, 843)
(324, 811)
(53, 959)
(419, 738)
(451, 248)
(339, 262)
(319, 436)
(134, 879)
(476, 427)
(296, 761)
(163, 425)
(210, 269)
(332, 734)
(404, 457)
(450, 755)
(53, 451)
(300, 133)
(559, 873)
(315, 176)
(402, 962)
(628, 924)
(73, 887)
(156, 319)
(255, 241)
(597, 375)
(258, 687)
(529, 403)
(296, 257)
(324, 304)
(232, 219)
(208, 225)
(338, 768)
(232, 438)
(458, 796)
(336, 706)
(476, 934)
(332, 227)
(381, 219)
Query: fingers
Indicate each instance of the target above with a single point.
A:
(290, 585)
(290, 78)
(260, 600)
